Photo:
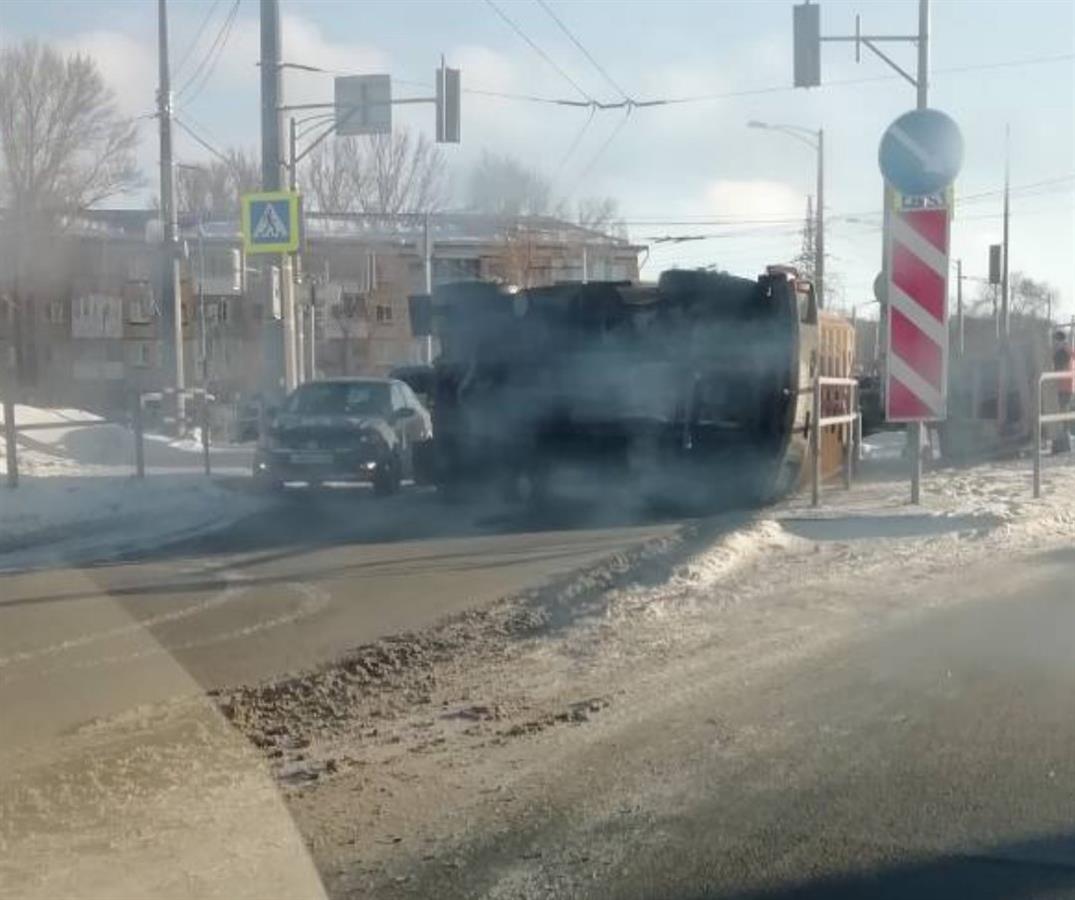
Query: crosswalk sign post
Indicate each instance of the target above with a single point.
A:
(270, 222)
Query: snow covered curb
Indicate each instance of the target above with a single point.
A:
(62, 519)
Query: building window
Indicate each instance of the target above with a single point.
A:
(353, 306)
(54, 312)
(139, 354)
(384, 313)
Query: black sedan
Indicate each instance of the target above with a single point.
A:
(344, 429)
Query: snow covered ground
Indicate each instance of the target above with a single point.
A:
(77, 495)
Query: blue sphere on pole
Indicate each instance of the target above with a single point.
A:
(921, 152)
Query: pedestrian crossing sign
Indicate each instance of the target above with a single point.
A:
(271, 222)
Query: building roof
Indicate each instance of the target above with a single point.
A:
(401, 229)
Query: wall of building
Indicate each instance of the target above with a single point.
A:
(94, 315)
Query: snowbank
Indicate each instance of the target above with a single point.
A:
(77, 497)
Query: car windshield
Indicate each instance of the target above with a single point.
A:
(340, 398)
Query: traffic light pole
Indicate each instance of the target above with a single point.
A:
(807, 66)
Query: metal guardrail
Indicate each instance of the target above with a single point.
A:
(136, 422)
(1041, 419)
(853, 419)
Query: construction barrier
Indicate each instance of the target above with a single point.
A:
(852, 419)
(1041, 419)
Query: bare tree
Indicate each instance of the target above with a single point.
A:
(504, 186)
(330, 177)
(214, 187)
(402, 174)
(391, 173)
(601, 214)
(1027, 297)
(63, 147)
(63, 144)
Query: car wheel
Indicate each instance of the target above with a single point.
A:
(387, 478)
(267, 483)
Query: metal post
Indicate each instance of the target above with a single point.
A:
(815, 446)
(1037, 441)
(201, 306)
(171, 286)
(205, 432)
(300, 342)
(427, 260)
(914, 439)
(1005, 325)
(292, 166)
(311, 341)
(9, 441)
(959, 306)
(849, 450)
(819, 238)
(139, 438)
(287, 298)
(274, 339)
(922, 80)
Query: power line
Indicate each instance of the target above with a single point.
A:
(578, 139)
(537, 49)
(593, 160)
(203, 142)
(212, 57)
(699, 98)
(574, 40)
(194, 43)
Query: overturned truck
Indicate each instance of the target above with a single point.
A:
(694, 390)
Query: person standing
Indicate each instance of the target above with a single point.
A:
(1062, 363)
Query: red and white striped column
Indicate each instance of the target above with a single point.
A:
(917, 371)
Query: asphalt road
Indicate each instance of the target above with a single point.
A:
(317, 574)
(929, 757)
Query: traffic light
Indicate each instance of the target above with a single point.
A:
(448, 94)
(996, 256)
(806, 23)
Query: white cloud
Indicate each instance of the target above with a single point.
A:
(753, 199)
(128, 66)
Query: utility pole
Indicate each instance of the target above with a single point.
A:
(959, 306)
(819, 238)
(427, 266)
(278, 336)
(171, 288)
(1005, 324)
(914, 436)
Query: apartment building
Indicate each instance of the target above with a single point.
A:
(89, 330)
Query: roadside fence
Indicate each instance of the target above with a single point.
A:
(1041, 419)
(852, 419)
(136, 423)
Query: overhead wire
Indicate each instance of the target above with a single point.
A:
(601, 150)
(178, 67)
(545, 56)
(600, 68)
(219, 154)
(577, 139)
(204, 72)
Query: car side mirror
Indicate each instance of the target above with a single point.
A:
(405, 413)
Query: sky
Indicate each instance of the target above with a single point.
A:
(686, 169)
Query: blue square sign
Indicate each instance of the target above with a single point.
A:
(270, 222)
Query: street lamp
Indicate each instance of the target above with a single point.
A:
(816, 141)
